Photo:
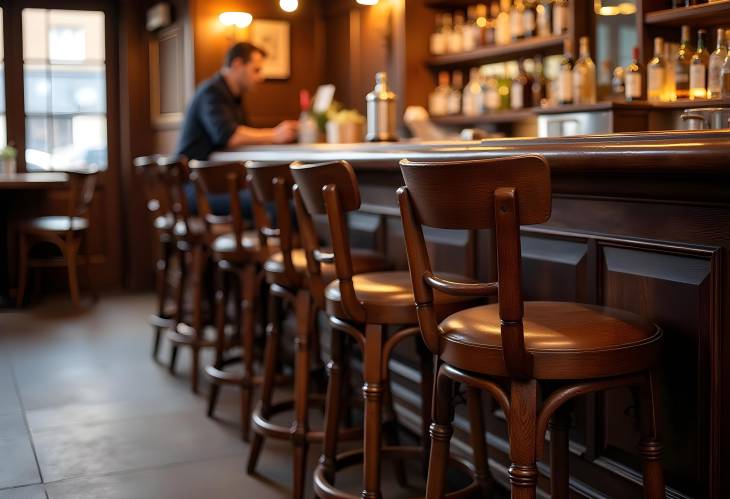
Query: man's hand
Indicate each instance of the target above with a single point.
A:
(285, 132)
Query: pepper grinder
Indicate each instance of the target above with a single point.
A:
(381, 111)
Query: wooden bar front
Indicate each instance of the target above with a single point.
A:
(640, 222)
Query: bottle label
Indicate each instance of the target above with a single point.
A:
(560, 17)
(517, 96)
(492, 99)
(633, 85)
(714, 79)
(565, 85)
(438, 46)
(516, 25)
(529, 22)
(681, 75)
(455, 41)
(655, 82)
(697, 76)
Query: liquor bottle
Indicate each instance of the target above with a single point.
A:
(681, 65)
(453, 102)
(516, 20)
(470, 31)
(670, 87)
(633, 79)
(542, 12)
(584, 75)
(502, 33)
(529, 21)
(521, 92)
(698, 69)
(565, 76)
(504, 85)
(656, 73)
(308, 129)
(725, 73)
(560, 17)
(438, 40)
(438, 101)
(491, 91)
(482, 22)
(717, 58)
(456, 37)
(473, 95)
(539, 82)
(618, 86)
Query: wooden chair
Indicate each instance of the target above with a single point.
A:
(237, 254)
(162, 220)
(286, 274)
(64, 231)
(513, 348)
(362, 306)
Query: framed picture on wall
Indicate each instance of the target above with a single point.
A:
(274, 37)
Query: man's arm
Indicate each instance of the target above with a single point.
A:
(284, 132)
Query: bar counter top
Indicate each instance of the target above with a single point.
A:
(641, 222)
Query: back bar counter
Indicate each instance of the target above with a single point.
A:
(639, 222)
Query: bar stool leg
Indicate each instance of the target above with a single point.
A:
(391, 431)
(440, 433)
(650, 448)
(300, 425)
(70, 252)
(267, 385)
(482, 475)
(373, 394)
(179, 303)
(221, 298)
(427, 391)
(22, 268)
(197, 283)
(247, 340)
(162, 267)
(559, 457)
(332, 406)
(522, 429)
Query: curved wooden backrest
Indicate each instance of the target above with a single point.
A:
(312, 178)
(328, 188)
(211, 177)
(82, 185)
(156, 197)
(460, 194)
(262, 177)
(174, 172)
(496, 193)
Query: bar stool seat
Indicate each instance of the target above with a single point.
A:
(226, 244)
(565, 340)
(362, 261)
(56, 224)
(387, 297)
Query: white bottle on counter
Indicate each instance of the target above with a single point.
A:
(308, 129)
(473, 95)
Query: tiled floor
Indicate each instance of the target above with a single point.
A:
(85, 413)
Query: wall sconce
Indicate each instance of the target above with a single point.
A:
(367, 2)
(289, 5)
(234, 21)
(619, 8)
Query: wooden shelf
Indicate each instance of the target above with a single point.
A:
(450, 4)
(691, 104)
(491, 117)
(706, 14)
(546, 45)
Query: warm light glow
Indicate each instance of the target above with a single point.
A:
(288, 5)
(237, 19)
(623, 9)
(367, 2)
(482, 22)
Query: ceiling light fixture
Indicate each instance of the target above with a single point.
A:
(289, 5)
(237, 19)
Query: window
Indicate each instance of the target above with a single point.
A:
(64, 73)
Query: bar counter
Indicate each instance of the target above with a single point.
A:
(640, 222)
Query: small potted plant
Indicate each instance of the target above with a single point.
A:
(7, 159)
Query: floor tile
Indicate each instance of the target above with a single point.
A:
(31, 492)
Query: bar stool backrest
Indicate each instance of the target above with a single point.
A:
(211, 178)
(499, 194)
(328, 188)
(174, 173)
(155, 192)
(272, 183)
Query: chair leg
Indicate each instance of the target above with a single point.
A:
(302, 363)
(440, 433)
(90, 282)
(267, 385)
(248, 310)
(427, 389)
(522, 429)
(197, 284)
(179, 303)
(373, 396)
(333, 405)
(482, 475)
(391, 432)
(650, 448)
(221, 298)
(23, 268)
(559, 457)
(161, 270)
(70, 252)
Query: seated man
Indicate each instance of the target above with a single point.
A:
(216, 120)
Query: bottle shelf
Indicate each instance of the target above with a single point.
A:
(450, 4)
(706, 14)
(545, 45)
(510, 116)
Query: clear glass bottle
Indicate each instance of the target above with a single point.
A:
(308, 129)
(634, 79)
(516, 20)
(670, 87)
(482, 22)
(565, 76)
(656, 73)
(472, 101)
(438, 101)
(539, 82)
(504, 84)
(542, 14)
(438, 41)
(618, 87)
(491, 90)
(456, 37)
(529, 19)
(470, 30)
(584, 75)
(714, 70)
(560, 17)
(698, 69)
(521, 92)
(453, 104)
(490, 33)
(725, 75)
(503, 35)
(681, 65)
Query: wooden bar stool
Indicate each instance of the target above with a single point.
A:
(237, 256)
(289, 283)
(512, 348)
(158, 206)
(362, 306)
(63, 231)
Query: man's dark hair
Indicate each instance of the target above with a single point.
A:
(244, 51)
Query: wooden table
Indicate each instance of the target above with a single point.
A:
(17, 183)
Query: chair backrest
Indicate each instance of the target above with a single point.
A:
(271, 183)
(328, 188)
(174, 173)
(81, 191)
(156, 195)
(499, 194)
(211, 178)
